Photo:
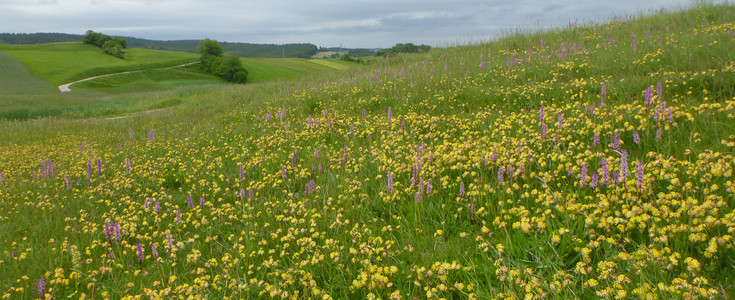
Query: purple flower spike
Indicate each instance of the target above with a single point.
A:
(141, 254)
(390, 183)
(154, 251)
(41, 285)
(636, 137)
(461, 189)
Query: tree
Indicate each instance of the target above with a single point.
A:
(228, 67)
(113, 48)
(208, 48)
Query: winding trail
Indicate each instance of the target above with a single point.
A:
(66, 87)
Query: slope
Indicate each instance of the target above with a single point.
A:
(15, 78)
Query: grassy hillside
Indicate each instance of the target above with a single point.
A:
(15, 78)
(270, 69)
(147, 80)
(586, 162)
(66, 62)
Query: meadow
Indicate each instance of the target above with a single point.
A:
(591, 161)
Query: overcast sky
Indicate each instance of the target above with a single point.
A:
(353, 24)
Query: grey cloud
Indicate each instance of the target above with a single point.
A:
(362, 23)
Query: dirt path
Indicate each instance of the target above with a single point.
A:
(66, 87)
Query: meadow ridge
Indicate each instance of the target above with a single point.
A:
(594, 161)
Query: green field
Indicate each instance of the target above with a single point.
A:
(59, 63)
(579, 163)
(15, 78)
(271, 69)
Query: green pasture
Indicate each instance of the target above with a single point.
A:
(15, 78)
(59, 63)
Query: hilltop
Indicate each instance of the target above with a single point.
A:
(589, 161)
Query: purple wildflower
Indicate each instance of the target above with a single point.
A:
(623, 166)
(154, 251)
(190, 201)
(636, 137)
(583, 176)
(201, 201)
(178, 215)
(671, 117)
(639, 175)
(544, 130)
(659, 91)
(283, 172)
(141, 254)
(428, 187)
(472, 210)
(250, 194)
(593, 180)
(615, 140)
(127, 166)
(390, 183)
(418, 197)
(150, 134)
(461, 189)
(560, 120)
(41, 285)
(649, 95)
(157, 207)
(293, 159)
(596, 139)
(169, 242)
(658, 135)
(390, 115)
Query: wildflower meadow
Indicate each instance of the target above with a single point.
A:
(590, 161)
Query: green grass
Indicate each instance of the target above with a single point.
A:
(271, 69)
(148, 80)
(59, 63)
(15, 78)
(438, 118)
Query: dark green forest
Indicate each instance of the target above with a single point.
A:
(239, 49)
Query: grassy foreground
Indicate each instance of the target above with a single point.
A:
(593, 162)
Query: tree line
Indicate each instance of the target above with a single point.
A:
(114, 46)
(403, 48)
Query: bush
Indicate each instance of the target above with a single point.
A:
(114, 46)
